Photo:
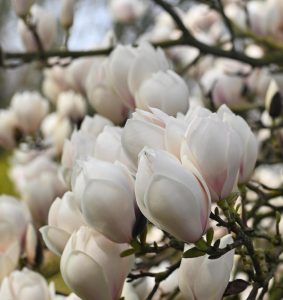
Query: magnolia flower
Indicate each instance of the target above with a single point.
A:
(22, 7)
(71, 105)
(55, 81)
(108, 146)
(259, 17)
(200, 18)
(63, 219)
(55, 130)
(171, 196)
(146, 62)
(202, 278)
(39, 185)
(156, 130)
(120, 62)
(248, 142)
(127, 11)
(45, 27)
(101, 95)
(9, 258)
(104, 271)
(31, 244)
(25, 285)
(164, 90)
(77, 72)
(106, 195)
(82, 143)
(224, 88)
(14, 219)
(24, 105)
(67, 13)
(8, 127)
(208, 133)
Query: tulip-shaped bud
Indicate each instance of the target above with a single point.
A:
(32, 246)
(9, 258)
(39, 185)
(202, 278)
(24, 105)
(108, 147)
(25, 285)
(101, 95)
(127, 11)
(82, 143)
(147, 61)
(223, 88)
(45, 28)
(8, 128)
(209, 134)
(248, 142)
(71, 105)
(107, 198)
(164, 90)
(67, 13)
(156, 130)
(171, 196)
(104, 271)
(14, 219)
(55, 130)
(95, 125)
(77, 72)
(63, 219)
(22, 7)
(55, 79)
(120, 62)
(273, 100)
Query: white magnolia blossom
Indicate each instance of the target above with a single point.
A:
(71, 105)
(8, 127)
(248, 142)
(55, 130)
(201, 278)
(45, 27)
(82, 143)
(31, 243)
(127, 11)
(100, 260)
(67, 13)
(105, 193)
(164, 90)
(146, 62)
(156, 130)
(224, 88)
(14, 219)
(39, 185)
(63, 219)
(108, 147)
(22, 7)
(101, 95)
(55, 81)
(171, 196)
(30, 108)
(120, 62)
(76, 74)
(215, 149)
(26, 285)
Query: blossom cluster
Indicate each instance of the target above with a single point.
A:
(121, 157)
